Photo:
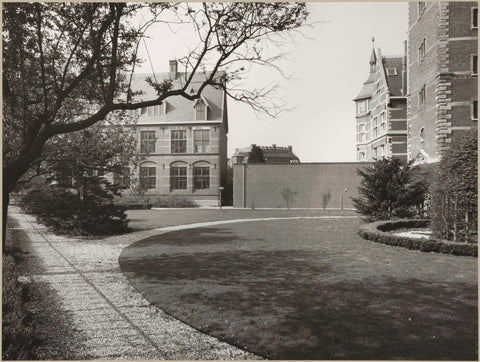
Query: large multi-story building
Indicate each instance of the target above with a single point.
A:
(381, 109)
(184, 141)
(442, 75)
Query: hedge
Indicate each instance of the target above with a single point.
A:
(379, 232)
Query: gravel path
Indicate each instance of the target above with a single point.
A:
(118, 322)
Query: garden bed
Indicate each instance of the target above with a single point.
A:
(381, 232)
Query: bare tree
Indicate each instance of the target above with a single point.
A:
(326, 196)
(289, 196)
(66, 66)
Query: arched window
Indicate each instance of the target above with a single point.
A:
(178, 176)
(201, 175)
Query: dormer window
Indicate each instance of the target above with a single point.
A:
(362, 106)
(155, 110)
(201, 109)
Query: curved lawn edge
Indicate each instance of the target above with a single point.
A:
(233, 221)
(378, 232)
(167, 229)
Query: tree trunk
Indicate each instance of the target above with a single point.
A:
(455, 220)
(467, 229)
(6, 199)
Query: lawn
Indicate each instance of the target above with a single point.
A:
(311, 289)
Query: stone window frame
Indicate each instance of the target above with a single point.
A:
(474, 18)
(178, 176)
(147, 143)
(201, 142)
(421, 6)
(422, 50)
(422, 135)
(122, 177)
(178, 141)
(422, 96)
(148, 176)
(201, 177)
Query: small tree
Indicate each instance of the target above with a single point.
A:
(389, 190)
(455, 191)
(326, 196)
(289, 196)
(256, 155)
(82, 200)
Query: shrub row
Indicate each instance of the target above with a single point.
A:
(64, 212)
(378, 232)
(149, 202)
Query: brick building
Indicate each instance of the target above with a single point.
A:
(185, 142)
(381, 109)
(442, 75)
(273, 155)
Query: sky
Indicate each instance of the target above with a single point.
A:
(328, 63)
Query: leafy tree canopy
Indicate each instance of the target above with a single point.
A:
(256, 155)
(389, 189)
(66, 66)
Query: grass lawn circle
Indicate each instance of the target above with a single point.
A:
(310, 289)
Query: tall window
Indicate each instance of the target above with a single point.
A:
(421, 96)
(474, 64)
(201, 178)
(148, 177)
(201, 139)
(200, 112)
(474, 18)
(147, 141)
(375, 127)
(178, 178)
(475, 109)
(421, 8)
(362, 106)
(122, 177)
(179, 141)
(421, 51)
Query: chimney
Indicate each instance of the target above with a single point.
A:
(173, 69)
(290, 148)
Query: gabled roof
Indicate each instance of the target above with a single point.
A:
(367, 90)
(180, 108)
(394, 82)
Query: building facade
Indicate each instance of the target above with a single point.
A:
(381, 117)
(442, 76)
(184, 142)
(273, 155)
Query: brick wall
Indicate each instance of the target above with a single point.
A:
(260, 186)
(445, 71)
